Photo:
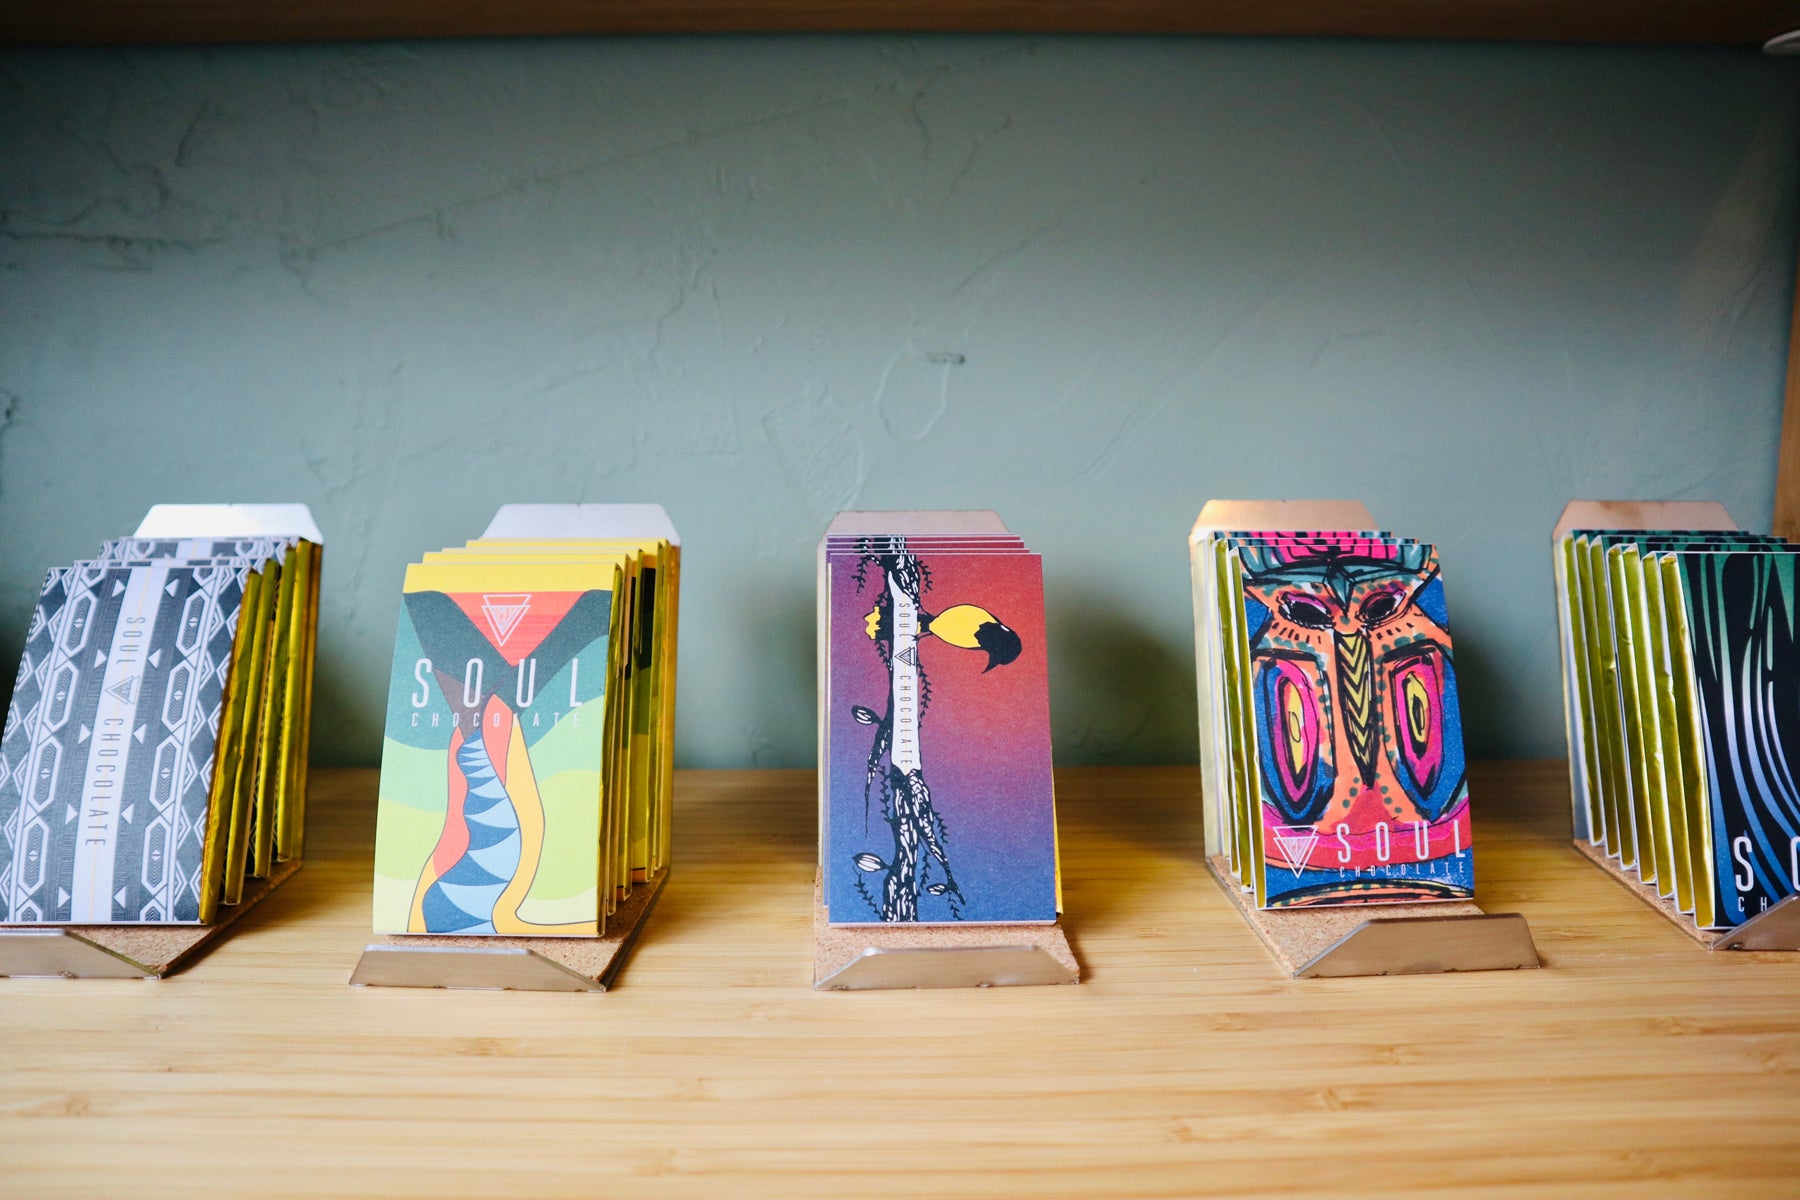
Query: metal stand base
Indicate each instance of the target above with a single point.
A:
(1776, 929)
(849, 958)
(124, 951)
(1398, 939)
(519, 964)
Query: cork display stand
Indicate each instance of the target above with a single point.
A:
(1347, 940)
(849, 958)
(1779, 927)
(125, 951)
(517, 964)
(1404, 939)
(1776, 929)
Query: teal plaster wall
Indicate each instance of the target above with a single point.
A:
(1087, 282)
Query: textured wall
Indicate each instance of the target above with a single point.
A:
(1087, 282)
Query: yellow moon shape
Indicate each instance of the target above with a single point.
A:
(957, 625)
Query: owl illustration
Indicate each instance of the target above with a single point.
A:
(1359, 738)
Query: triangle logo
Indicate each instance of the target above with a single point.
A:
(138, 733)
(62, 897)
(118, 587)
(119, 897)
(909, 656)
(171, 588)
(70, 815)
(504, 612)
(99, 657)
(1296, 844)
(124, 691)
(126, 815)
(515, 623)
(156, 657)
(84, 735)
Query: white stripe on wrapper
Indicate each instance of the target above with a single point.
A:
(102, 787)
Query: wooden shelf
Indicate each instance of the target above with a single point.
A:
(1748, 22)
(1635, 1063)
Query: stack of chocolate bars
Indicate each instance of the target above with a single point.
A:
(1331, 742)
(937, 805)
(154, 756)
(527, 769)
(1682, 695)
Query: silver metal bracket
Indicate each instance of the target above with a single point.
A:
(949, 967)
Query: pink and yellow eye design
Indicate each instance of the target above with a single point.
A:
(1293, 733)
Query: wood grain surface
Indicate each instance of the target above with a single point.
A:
(1748, 22)
(1636, 1064)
